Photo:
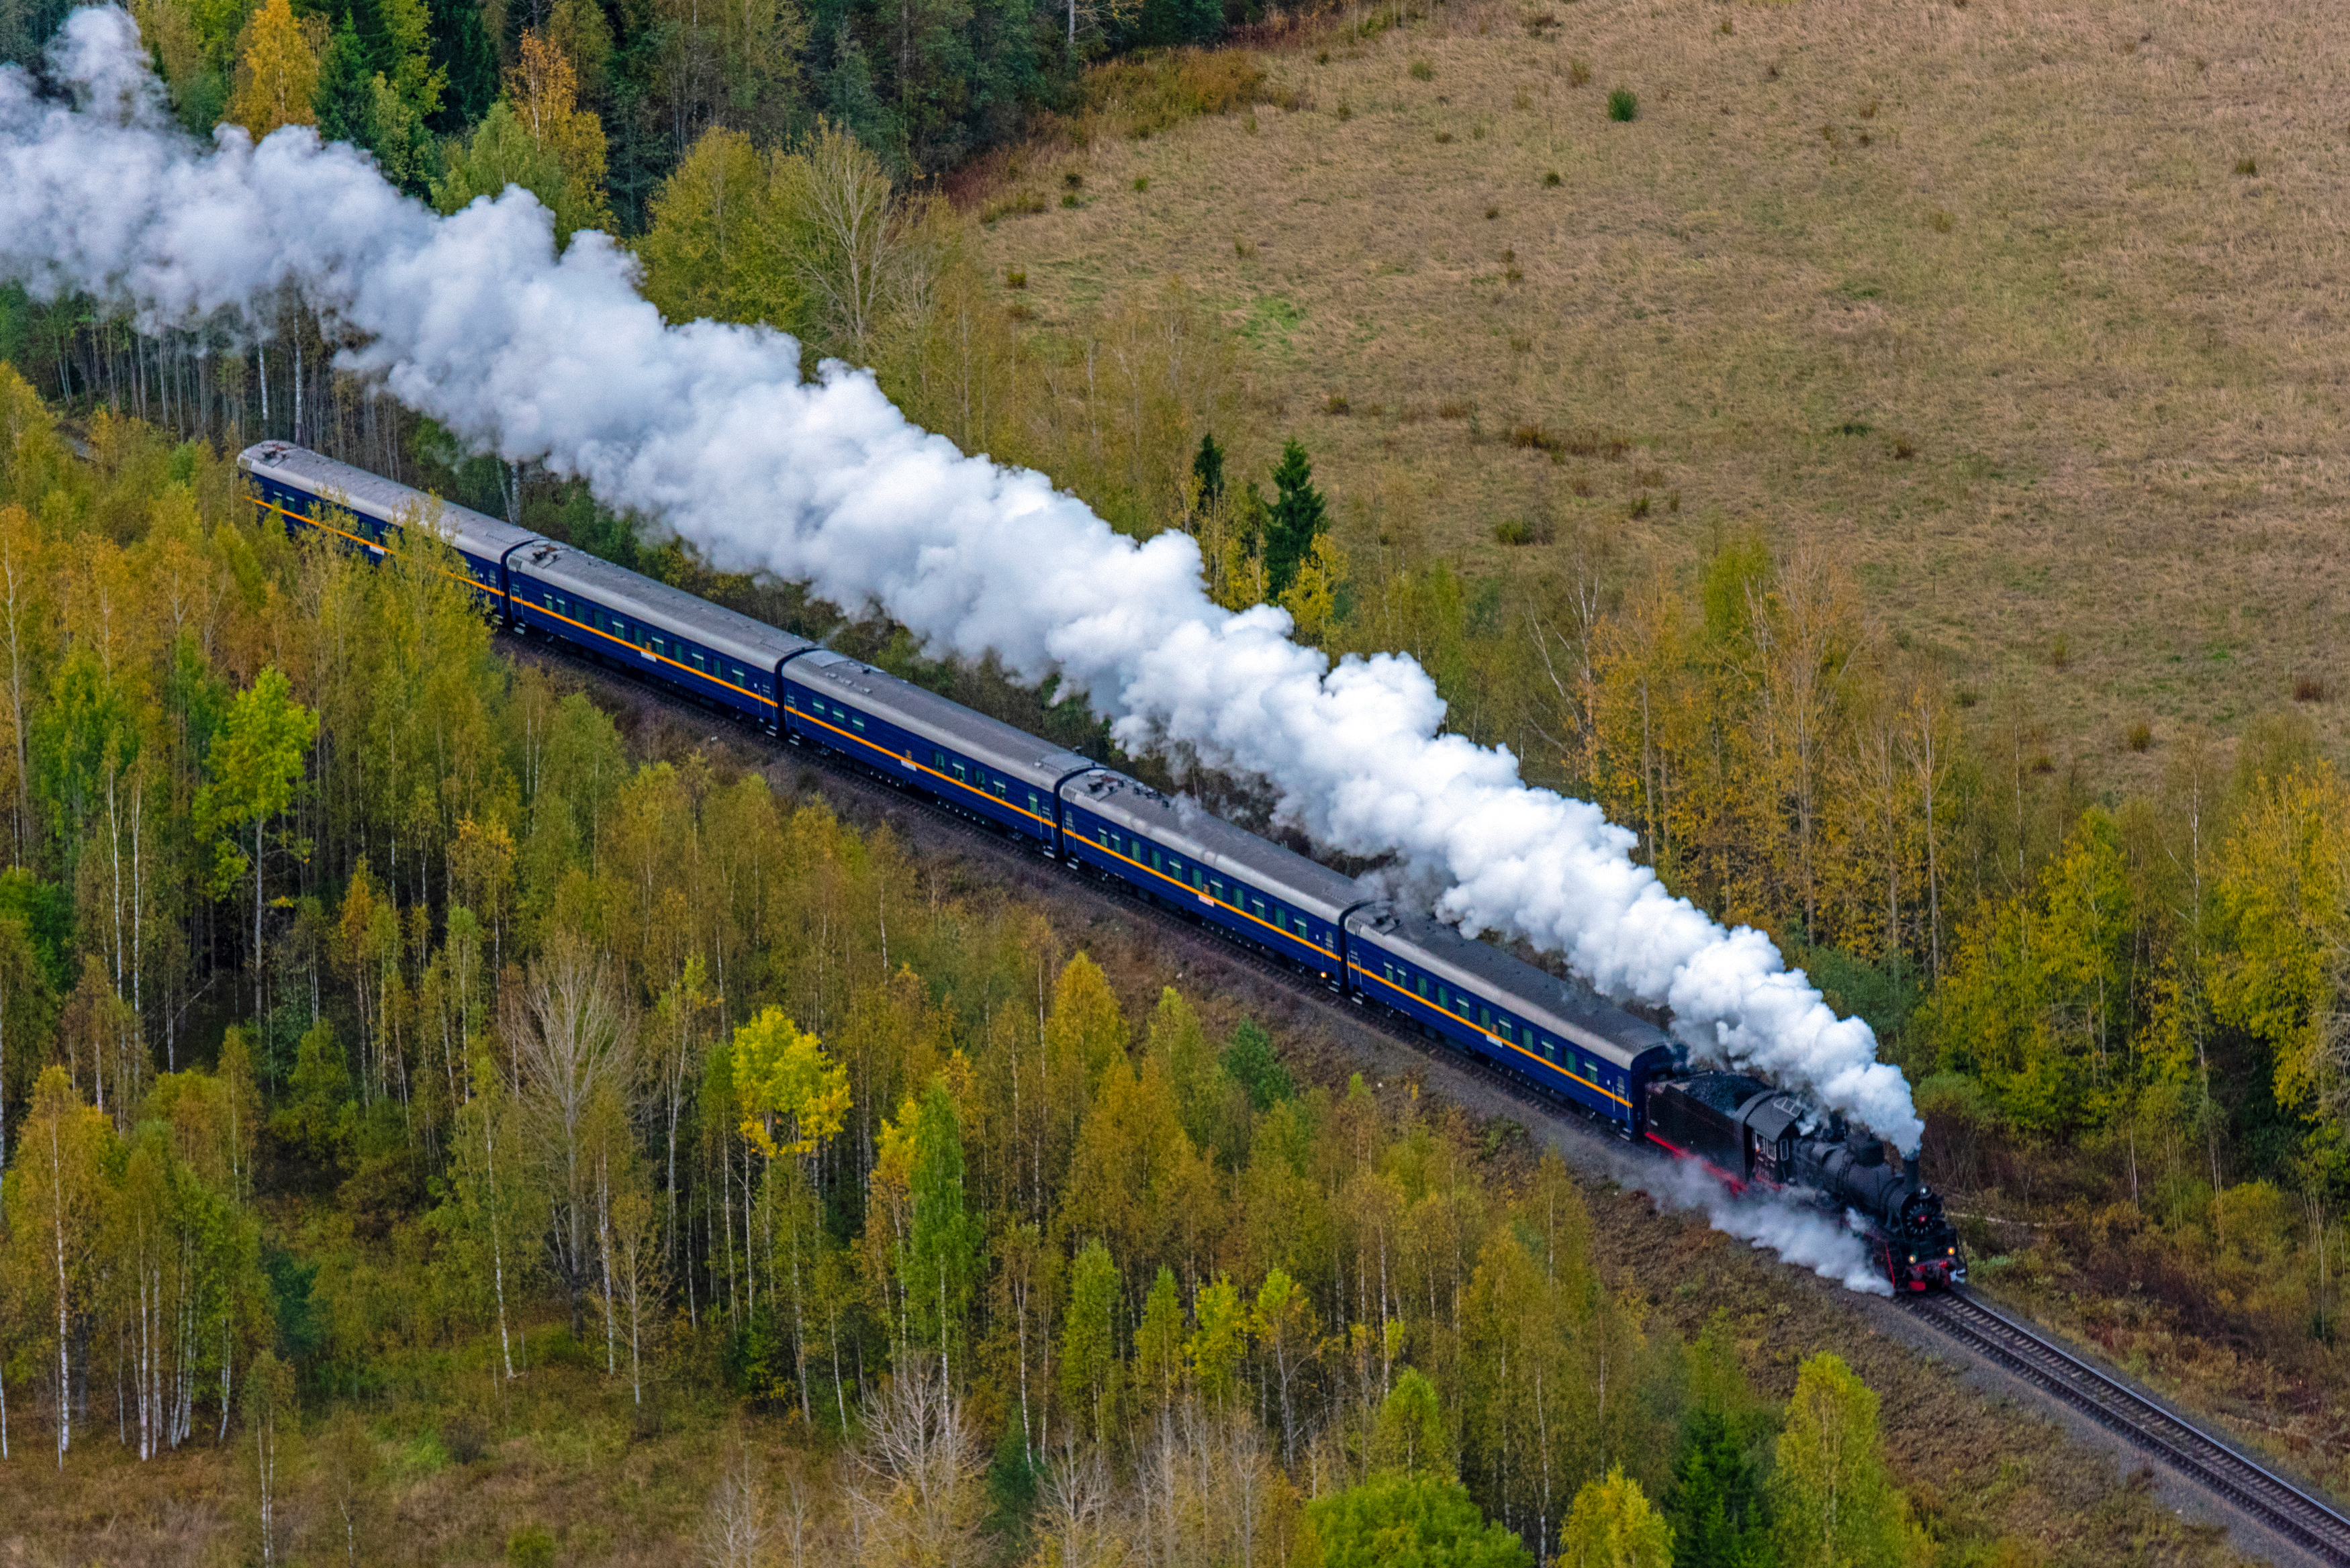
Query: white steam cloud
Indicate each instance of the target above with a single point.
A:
(1829, 1245)
(473, 320)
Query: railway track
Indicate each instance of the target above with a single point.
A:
(2205, 1459)
(2216, 1465)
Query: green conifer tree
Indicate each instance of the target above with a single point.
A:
(345, 99)
(1208, 467)
(1298, 516)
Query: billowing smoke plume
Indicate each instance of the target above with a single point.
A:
(473, 320)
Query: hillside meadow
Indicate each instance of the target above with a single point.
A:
(2024, 314)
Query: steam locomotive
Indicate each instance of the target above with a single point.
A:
(1555, 1035)
(1749, 1134)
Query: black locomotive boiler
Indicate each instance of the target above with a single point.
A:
(1752, 1134)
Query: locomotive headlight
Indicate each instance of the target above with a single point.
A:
(1913, 1257)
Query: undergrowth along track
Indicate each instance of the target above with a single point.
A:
(2210, 1462)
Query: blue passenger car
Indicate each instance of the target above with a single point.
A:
(368, 513)
(967, 762)
(1552, 1032)
(649, 629)
(1198, 863)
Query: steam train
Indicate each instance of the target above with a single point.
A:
(1555, 1035)
(1749, 1134)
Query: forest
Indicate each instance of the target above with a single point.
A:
(382, 1037)
(380, 1028)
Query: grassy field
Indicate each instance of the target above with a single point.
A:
(2029, 313)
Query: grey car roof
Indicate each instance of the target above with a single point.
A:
(1191, 830)
(999, 746)
(372, 495)
(1566, 1007)
(640, 597)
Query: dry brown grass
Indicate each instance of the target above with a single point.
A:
(2099, 369)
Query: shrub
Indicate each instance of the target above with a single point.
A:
(1014, 278)
(1455, 408)
(1443, 138)
(531, 1546)
(1422, 71)
(1344, 110)
(1142, 182)
(1538, 23)
(1335, 403)
(1902, 449)
(465, 1440)
(1639, 506)
(1021, 310)
(1074, 180)
(2247, 166)
(1623, 105)
(1726, 29)
(2140, 736)
(1153, 92)
(1518, 99)
(1516, 531)
(2309, 688)
(2060, 652)
(1069, 199)
(1493, 212)
(1019, 204)
(1584, 443)
(1940, 220)
(1551, 179)
(1578, 72)
(1242, 248)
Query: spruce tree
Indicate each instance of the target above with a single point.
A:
(346, 91)
(1298, 518)
(1716, 1506)
(1208, 467)
(461, 51)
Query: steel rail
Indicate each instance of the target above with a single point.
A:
(2219, 1466)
